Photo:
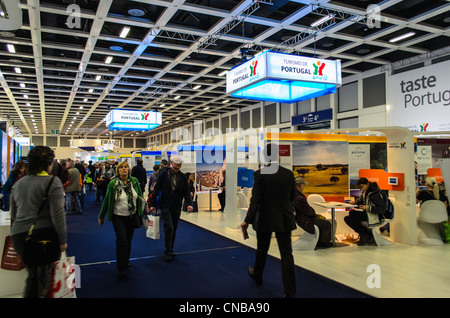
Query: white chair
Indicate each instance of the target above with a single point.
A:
(375, 229)
(307, 242)
(432, 214)
(312, 198)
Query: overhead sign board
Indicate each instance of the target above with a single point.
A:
(313, 117)
(123, 119)
(286, 78)
(95, 144)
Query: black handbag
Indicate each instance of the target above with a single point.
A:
(137, 220)
(41, 245)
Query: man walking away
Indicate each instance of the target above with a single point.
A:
(270, 211)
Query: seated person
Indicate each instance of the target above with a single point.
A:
(431, 193)
(444, 197)
(371, 200)
(306, 217)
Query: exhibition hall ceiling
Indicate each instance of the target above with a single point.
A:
(72, 61)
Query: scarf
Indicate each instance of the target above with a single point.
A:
(120, 186)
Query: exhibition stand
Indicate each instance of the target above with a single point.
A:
(400, 161)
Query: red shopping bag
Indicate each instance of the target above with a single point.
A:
(10, 259)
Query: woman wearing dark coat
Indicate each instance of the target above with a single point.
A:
(371, 200)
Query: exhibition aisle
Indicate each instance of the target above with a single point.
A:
(207, 265)
(404, 270)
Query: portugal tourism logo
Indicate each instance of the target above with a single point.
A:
(253, 68)
(318, 70)
(144, 116)
(423, 127)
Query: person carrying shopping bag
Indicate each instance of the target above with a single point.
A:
(38, 193)
(123, 204)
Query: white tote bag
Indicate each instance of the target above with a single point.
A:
(62, 283)
(153, 227)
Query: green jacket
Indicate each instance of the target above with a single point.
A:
(109, 199)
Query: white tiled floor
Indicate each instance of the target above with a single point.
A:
(405, 271)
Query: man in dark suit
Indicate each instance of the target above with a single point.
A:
(270, 211)
(140, 173)
(173, 185)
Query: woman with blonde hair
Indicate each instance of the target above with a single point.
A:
(122, 200)
(431, 193)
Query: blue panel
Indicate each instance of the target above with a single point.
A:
(283, 91)
(132, 126)
(245, 177)
(313, 117)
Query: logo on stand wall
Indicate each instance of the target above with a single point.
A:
(423, 127)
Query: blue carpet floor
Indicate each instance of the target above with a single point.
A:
(207, 265)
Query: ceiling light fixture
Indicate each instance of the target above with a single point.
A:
(98, 77)
(223, 73)
(177, 97)
(402, 37)
(322, 20)
(225, 101)
(18, 70)
(11, 48)
(206, 108)
(136, 11)
(22, 85)
(108, 60)
(197, 87)
(124, 32)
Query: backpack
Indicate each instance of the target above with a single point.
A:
(389, 213)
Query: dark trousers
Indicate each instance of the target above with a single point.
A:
(354, 219)
(123, 226)
(100, 194)
(287, 259)
(170, 218)
(38, 280)
(324, 228)
(5, 200)
(221, 197)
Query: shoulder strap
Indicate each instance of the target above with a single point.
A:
(42, 205)
(45, 195)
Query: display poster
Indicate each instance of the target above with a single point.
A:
(420, 99)
(150, 159)
(358, 158)
(323, 164)
(4, 157)
(11, 154)
(210, 163)
(423, 159)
